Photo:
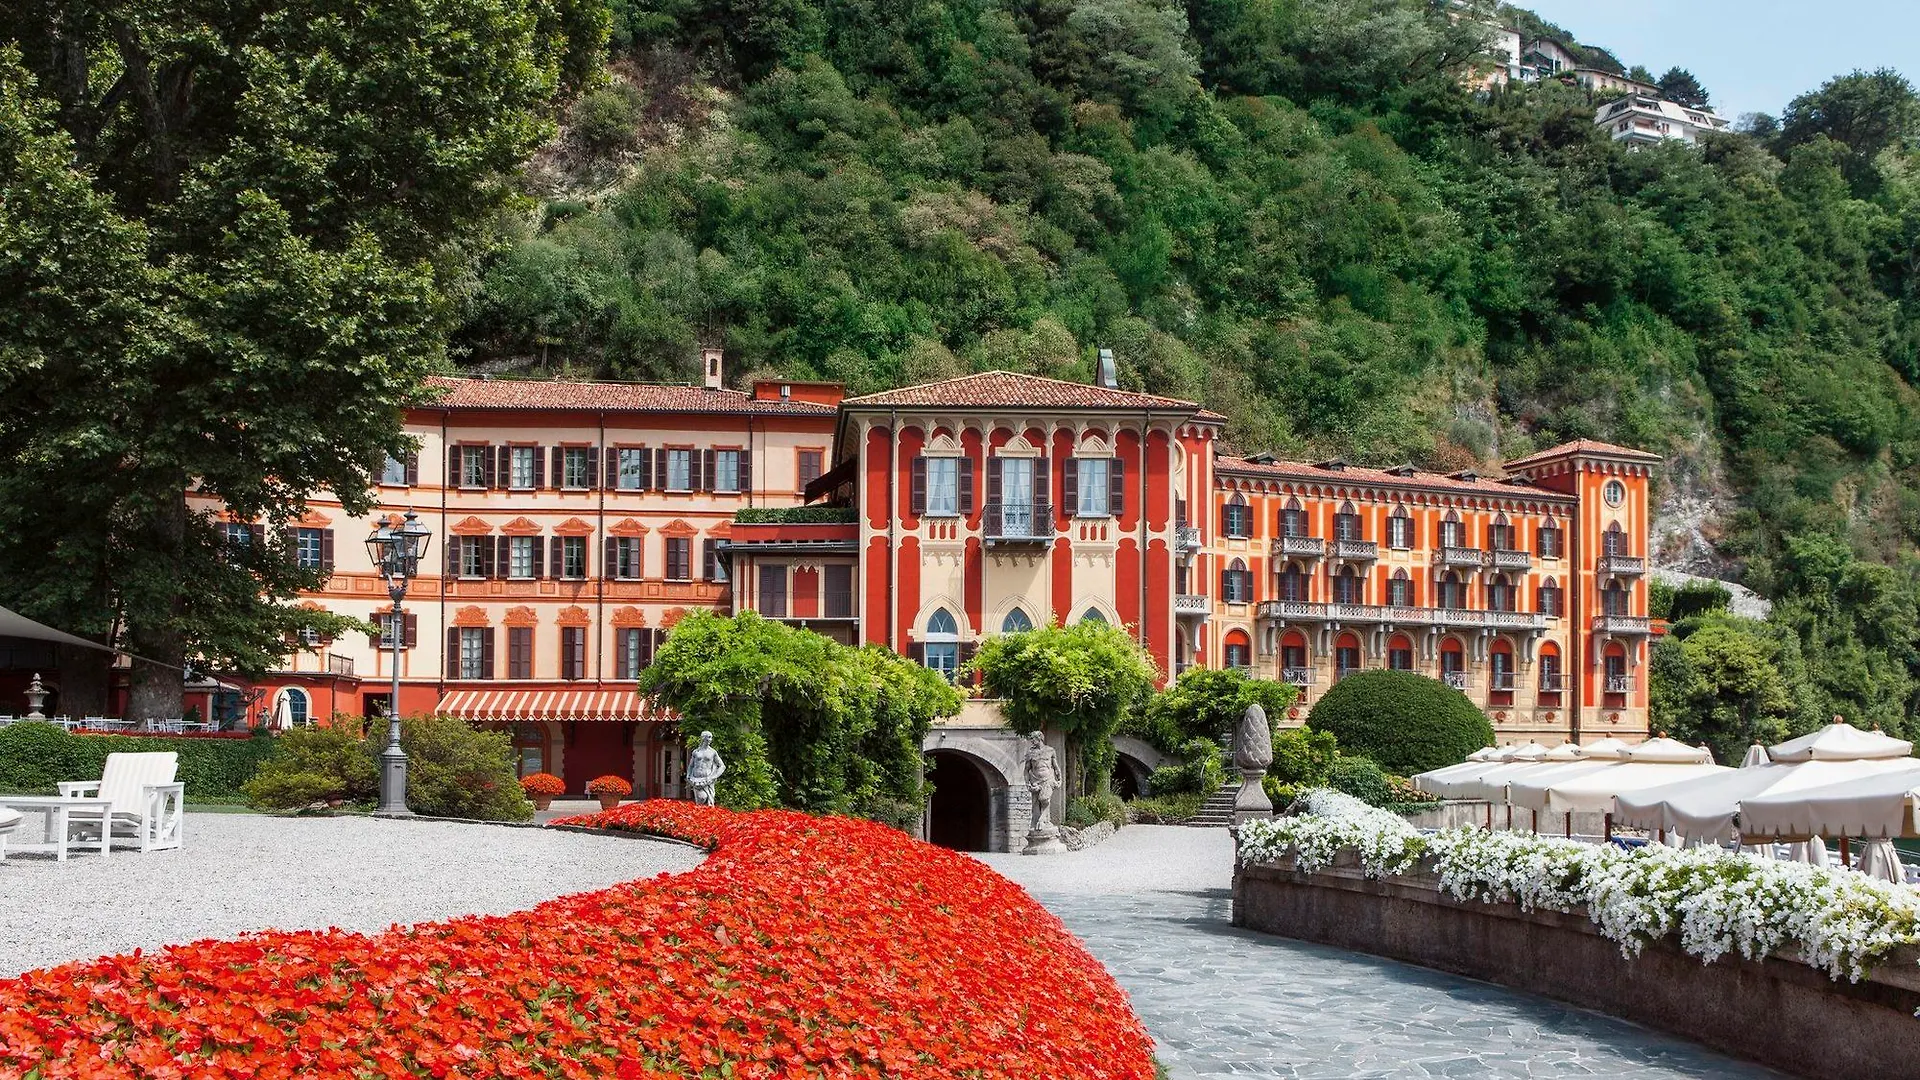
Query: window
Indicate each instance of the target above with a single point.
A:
(1346, 524)
(810, 462)
(523, 467)
(716, 564)
(573, 557)
(1293, 521)
(1550, 599)
(529, 749)
(1616, 666)
(473, 556)
(1452, 594)
(1346, 659)
(1613, 541)
(573, 652)
(1548, 541)
(293, 708)
(679, 470)
(1293, 663)
(1293, 584)
(773, 591)
(1347, 587)
(1452, 662)
(1094, 473)
(1400, 657)
(623, 557)
(473, 652)
(1451, 534)
(576, 467)
(1400, 531)
(394, 472)
(1550, 673)
(726, 470)
(1400, 590)
(633, 466)
(236, 533)
(1016, 622)
(1237, 655)
(679, 558)
(941, 650)
(1501, 671)
(521, 561)
(632, 651)
(1017, 510)
(1500, 536)
(838, 603)
(1614, 599)
(1092, 615)
(309, 549)
(943, 487)
(1237, 519)
(1499, 595)
(473, 466)
(1236, 583)
(519, 652)
(409, 629)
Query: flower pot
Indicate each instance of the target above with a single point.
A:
(541, 802)
(609, 801)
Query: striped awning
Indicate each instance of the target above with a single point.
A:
(499, 705)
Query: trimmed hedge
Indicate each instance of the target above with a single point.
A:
(1406, 723)
(36, 757)
(796, 515)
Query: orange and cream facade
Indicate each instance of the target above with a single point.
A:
(575, 523)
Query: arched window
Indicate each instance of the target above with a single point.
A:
(1093, 616)
(1550, 679)
(1550, 598)
(1613, 541)
(1452, 533)
(1500, 594)
(529, 749)
(1500, 662)
(1348, 587)
(1400, 590)
(1236, 518)
(1346, 524)
(293, 709)
(1547, 541)
(1500, 534)
(1452, 593)
(941, 649)
(1238, 653)
(1615, 598)
(1293, 520)
(1615, 662)
(1293, 659)
(1400, 529)
(1346, 656)
(1400, 653)
(1453, 664)
(1016, 622)
(1236, 583)
(1293, 584)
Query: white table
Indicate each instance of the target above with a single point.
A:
(54, 811)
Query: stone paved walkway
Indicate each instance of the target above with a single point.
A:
(1153, 904)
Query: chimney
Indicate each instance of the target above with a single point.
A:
(1106, 374)
(710, 367)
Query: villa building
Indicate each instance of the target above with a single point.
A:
(1644, 119)
(575, 523)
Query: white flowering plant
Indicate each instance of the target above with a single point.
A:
(1718, 902)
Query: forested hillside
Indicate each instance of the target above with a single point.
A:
(1292, 211)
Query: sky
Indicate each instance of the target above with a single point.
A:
(1751, 55)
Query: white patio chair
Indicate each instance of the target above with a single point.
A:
(145, 802)
(9, 821)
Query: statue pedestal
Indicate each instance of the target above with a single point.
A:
(1251, 804)
(1044, 842)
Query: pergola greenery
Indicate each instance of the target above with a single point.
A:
(1080, 679)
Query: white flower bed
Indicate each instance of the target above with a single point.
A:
(1719, 902)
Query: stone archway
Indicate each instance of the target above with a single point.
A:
(968, 808)
(1133, 762)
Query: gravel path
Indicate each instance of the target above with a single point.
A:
(241, 872)
(1154, 904)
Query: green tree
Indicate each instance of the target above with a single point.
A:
(1208, 703)
(269, 206)
(1680, 87)
(1865, 112)
(1722, 685)
(1080, 679)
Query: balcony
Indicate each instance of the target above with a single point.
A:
(1291, 611)
(1297, 676)
(1017, 523)
(1512, 559)
(1622, 565)
(1356, 550)
(1298, 547)
(1552, 684)
(1619, 684)
(1500, 680)
(1456, 679)
(1189, 606)
(1360, 613)
(1186, 537)
(1447, 616)
(1516, 620)
(1622, 624)
(343, 665)
(1459, 557)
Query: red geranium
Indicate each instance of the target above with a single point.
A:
(802, 947)
(542, 783)
(609, 785)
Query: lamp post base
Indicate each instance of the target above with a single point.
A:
(393, 783)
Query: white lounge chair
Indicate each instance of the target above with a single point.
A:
(145, 802)
(9, 821)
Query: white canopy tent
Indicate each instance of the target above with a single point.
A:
(1650, 764)
(1491, 783)
(1881, 805)
(15, 625)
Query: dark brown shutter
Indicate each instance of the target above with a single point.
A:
(593, 469)
(559, 467)
(453, 466)
(453, 652)
(487, 563)
(649, 641)
(746, 469)
(1070, 486)
(259, 535)
(966, 485)
(707, 474)
(1042, 482)
(710, 560)
(917, 491)
(1117, 488)
(553, 556)
(503, 465)
(996, 468)
(486, 654)
(326, 549)
(453, 556)
(620, 655)
(413, 469)
(916, 652)
(609, 560)
(486, 463)
(613, 468)
(505, 563)
(411, 631)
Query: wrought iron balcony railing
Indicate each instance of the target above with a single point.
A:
(1017, 523)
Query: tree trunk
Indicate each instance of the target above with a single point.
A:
(83, 680)
(158, 688)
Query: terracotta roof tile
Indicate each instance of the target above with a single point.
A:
(613, 397)
(1006, 389)
(1400, 478)
(1584, 446)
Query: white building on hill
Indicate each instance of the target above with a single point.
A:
(1644, 119)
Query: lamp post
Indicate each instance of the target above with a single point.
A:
(397, 550)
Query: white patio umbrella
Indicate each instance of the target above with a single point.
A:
(1491, 783)
(1475, 761)
(1880, 805)
(1840, 741)
(1450, 785)
(1704, 807)
(1650, 764)
(1812, 852)
(1880, 860)
(1756, 755)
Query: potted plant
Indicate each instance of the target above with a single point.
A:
(609, 790)
(542, 788)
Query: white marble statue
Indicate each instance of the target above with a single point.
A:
(704, 769)
(1043, 776)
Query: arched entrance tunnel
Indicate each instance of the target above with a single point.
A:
(960, 814)
(1129, 776)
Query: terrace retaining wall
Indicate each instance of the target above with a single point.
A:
(1779, 1012)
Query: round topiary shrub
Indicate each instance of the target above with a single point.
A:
(1406, 723)
(1362, 779)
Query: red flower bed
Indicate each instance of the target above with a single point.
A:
(802, 947)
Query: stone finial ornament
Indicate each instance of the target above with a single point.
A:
(1252, 753)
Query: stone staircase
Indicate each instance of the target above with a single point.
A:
(1217, 811)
